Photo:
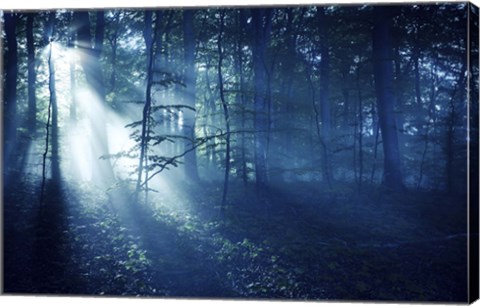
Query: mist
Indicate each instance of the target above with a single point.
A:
(303, 152)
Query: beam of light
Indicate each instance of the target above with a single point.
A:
(32, 159)
(84, 140)
(62, 58)
(80, 140)
(119, 141)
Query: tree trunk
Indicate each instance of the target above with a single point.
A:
(114, 45)
(289, 67)
(190, 78)
(32, 103)
(324, 95)
(261, 19)
(73, 85)
(360, 130)
(225, 112)
(458, 94)
(52, 114)
(10, 93)
(383, 73)
(376, 129)
(430, 120)
(240, 95)
(55, 157)
(142, 162)
(399, 92)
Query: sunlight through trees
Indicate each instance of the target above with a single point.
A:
(304, 152)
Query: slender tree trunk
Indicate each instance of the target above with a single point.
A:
(55, 157)
(346, 105)
(190, 78)
(10, 92)
(261, 19)
(159, 57)
(316, 111)
(210, 113)
(52, 114)
(287, 88)
(225, 111)
(32, 103)
(114, 45)
(73, 85)
(240, 96)
(142, 162)
(457, 93)
(416, 65)
(449, 169)
(51, 88)
(53, 101)
(324, 94)
(430, 117)
(376, 132)
(383, 73)
(399, 92)
(360, 130)
(99, 34)
(147, 37)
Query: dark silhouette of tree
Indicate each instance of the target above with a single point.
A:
(145, 127)
(73, 84)
(261, 20)
(225, 109)
(10, 89)
(324, 94)
(383, 73)
(240, 97)
(51, 128)
(32, 102)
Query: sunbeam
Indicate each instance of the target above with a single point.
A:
(303, 152)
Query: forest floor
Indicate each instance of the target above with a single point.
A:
(296, 241)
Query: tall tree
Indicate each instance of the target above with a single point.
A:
(32, 103)
(10, 94)
(190, 78)
(324, 93)
(288, 70)
(113, 40)
(73, 85)
(261, 20)
(142, 163)
(240, 99)
(51, 127)
(383, 75)
(225, 108)
(53, 101)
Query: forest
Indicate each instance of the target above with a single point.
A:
(301, 152)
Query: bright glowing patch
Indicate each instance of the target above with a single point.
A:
(119, 141)
(80, 152)
(86, 138)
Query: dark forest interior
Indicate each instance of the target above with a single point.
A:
(304, 152)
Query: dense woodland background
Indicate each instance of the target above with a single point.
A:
(308, 152)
